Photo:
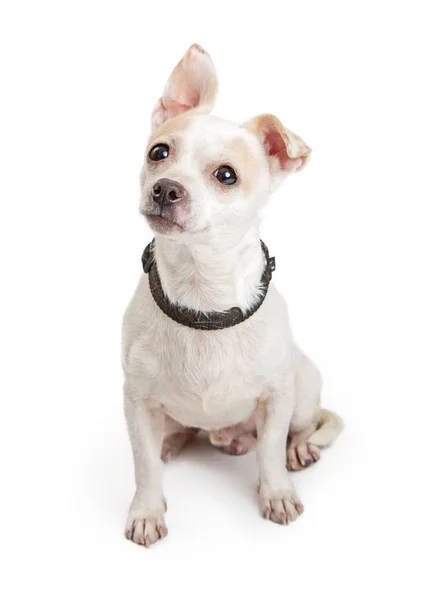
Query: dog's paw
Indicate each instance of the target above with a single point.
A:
(145, 528)
(221, 438)
(281, 506)
(241, 445)
(301, 456)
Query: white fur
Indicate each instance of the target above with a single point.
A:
(214, 379)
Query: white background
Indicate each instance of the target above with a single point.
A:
(79, 80)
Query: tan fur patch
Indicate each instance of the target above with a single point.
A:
(243, 159)
(169, 129)
(240, 157)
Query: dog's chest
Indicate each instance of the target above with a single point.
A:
(209, 378)
(206, 379)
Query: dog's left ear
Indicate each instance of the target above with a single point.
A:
(286, 152)
(192, 84)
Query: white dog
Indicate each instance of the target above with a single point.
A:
(206, 339)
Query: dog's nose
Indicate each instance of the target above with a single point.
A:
(166, 192)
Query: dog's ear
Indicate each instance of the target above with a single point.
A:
(285, 151)
(192, 84)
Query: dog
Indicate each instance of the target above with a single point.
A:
(206, 337)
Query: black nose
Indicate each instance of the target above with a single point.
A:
(166, 192)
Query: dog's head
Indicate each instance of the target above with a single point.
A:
(204, 175)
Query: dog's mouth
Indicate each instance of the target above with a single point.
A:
(161, 223)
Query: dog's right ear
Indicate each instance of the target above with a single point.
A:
(192, 84)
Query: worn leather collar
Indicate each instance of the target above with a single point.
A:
(194, 318)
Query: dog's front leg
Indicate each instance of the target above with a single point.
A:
(278, 499)
(145, 523)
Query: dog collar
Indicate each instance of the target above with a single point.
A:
(194, 318)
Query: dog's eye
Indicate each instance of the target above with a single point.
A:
(225, 175)
(159, 152)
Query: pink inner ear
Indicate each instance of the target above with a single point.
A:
(187, 97)
(175, 108)
(162, 113)
(275, 146)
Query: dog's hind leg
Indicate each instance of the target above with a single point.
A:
(311, 428)
(175, 438)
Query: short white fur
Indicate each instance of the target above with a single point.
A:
(178, 378)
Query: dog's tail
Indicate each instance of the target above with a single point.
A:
(329, 428)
